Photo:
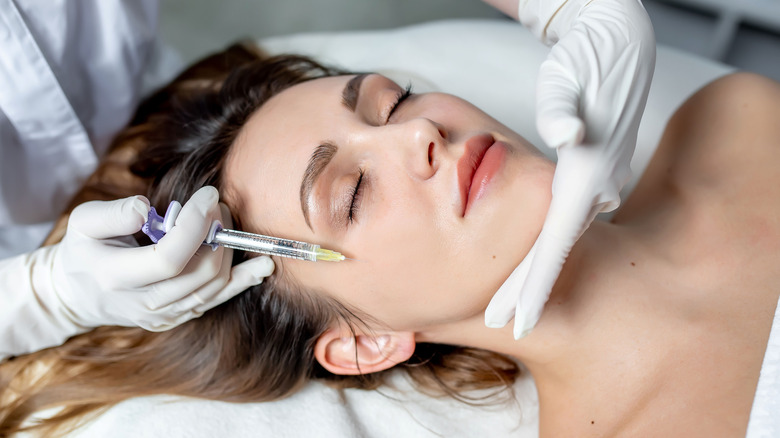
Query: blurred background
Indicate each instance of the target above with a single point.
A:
(742, 33)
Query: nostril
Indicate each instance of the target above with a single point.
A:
(430, 153)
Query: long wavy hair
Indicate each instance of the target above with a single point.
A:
(255, 347)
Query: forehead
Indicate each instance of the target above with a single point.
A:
(267, 161)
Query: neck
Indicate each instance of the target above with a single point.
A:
(566, 334)
(555, 345)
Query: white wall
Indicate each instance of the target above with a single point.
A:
(742, 33)
(197, 27)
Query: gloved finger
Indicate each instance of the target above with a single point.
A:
(177, 312)
(591, 173)
(105, 219)
(569, 215)
(185, 309)
(204, 267)
(197, 302)
(189, 230)
(501, 308)
(166, 259)
(161, 325)
(558, 95)
(206, 273)
(535, 291)
(242, 276)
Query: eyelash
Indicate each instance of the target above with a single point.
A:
(402, 96)
(357, 195)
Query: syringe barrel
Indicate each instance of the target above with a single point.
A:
(265, 244)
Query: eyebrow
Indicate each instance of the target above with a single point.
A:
(349, 96)
(317, 162)
(323, 153)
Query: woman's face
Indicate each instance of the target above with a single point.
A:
(436, 201)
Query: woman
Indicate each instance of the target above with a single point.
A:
(648, 330)
(393, 186)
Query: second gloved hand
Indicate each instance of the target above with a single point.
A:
(99, 278)
(591, 93)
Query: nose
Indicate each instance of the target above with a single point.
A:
(421, 143)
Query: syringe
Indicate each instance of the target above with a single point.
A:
(272, 246)
(156, 227)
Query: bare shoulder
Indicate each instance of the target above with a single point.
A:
(708, 205)
(724, 140)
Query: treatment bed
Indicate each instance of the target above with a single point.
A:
(493, 64)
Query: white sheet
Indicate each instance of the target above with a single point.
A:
(320, 411)
(493, 64)
(765, 415)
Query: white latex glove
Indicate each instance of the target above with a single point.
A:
(95, 277)
(591, 93)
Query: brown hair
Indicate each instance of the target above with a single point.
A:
(255, 347)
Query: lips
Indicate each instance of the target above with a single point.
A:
(469, 162)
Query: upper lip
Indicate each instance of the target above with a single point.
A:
(469, 162)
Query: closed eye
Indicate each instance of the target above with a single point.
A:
(402, 96)
(357, 196)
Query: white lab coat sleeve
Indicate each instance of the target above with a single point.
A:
(71, 75)
(31, 316)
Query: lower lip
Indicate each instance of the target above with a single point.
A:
(488, 168)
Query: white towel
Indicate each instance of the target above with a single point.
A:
(323, 412)
(765, 415)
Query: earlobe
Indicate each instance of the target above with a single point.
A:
(341, 352)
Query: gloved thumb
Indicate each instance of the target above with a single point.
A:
(501, 308)
(542, 275)
(106, 219)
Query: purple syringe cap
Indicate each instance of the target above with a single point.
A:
(156, 226)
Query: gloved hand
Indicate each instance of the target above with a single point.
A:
(591, 93)
(95, 276)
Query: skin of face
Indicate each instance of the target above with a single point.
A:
(419, 262)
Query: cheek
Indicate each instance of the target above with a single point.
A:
(400, 263)
(413, 275)
(412, 291)
(404, 275)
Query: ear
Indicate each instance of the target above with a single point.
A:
(341, 352)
